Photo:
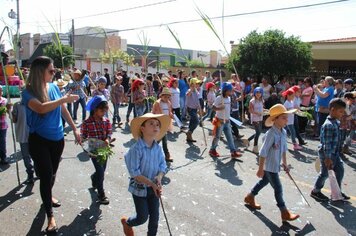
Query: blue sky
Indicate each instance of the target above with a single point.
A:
(330, 21)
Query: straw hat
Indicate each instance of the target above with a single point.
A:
(194, 81)
(60, 83)
(138, 121)
(275, 111)
(165, 91)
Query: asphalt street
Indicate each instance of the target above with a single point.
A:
(201, 196)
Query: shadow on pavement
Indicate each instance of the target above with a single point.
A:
(83, 157)
(344, 214)
(85, 222)
(284, 228)
(14, 195)
(227, 171)
(193, 152)
(128, 144)
(37, 223)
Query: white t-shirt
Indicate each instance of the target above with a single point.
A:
(297, 101)
(266, 91)
(211, 98)
(289, 105)
(225, 113)
(175, 97)
(257, 107)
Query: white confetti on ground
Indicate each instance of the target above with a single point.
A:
(195, 203)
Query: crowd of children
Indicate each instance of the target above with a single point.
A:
(156, 101)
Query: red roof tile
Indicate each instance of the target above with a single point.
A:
(342, 40)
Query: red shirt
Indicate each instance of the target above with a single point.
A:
(92, 128)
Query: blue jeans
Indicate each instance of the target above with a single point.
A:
(146, 206)
(116, 116)
(182, 101)
(98, 176)
(140, 109)
(194, 120)
(129, 109)
(338, 167)
(27, 159)
(75, 109)
(208, 113)
(3, 144)
(226, 127)
(258, 130)
(273, 179)
(292, 132)
(321, 119)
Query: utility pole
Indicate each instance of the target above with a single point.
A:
(73, 34)
(18, 35)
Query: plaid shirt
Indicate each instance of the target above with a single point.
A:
(138, 95)
(77, 90)
(330, 138)
(92, 128)
(3, 123)
(117, 92)
(104, 92)
(149, 90)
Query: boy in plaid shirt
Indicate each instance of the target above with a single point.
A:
(117, 95)
(98, 126)
(330, 149)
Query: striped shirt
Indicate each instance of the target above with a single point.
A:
(146, 161)
(92, 128)
(273, 146)
(330, 138)
(149, 89)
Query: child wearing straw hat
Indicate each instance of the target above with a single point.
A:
(272, 152)
(146, 165)
(164, 106)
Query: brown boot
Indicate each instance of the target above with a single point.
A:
(190, 138)
(128, 231)
(288, 216)
(168, 157)
(250, 200)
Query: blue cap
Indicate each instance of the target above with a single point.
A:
(102, 79)
(94, 102)
(349, 81)
(258, 89)
(226, 86)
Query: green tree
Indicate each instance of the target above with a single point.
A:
(54, 51)
(117, 55)
(196, 63)
(271, 54)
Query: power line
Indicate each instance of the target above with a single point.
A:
(219, 17)
(120, 10)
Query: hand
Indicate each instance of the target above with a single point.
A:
(285, 168)
(260, 173)
(157, 189)
(78, 140)
(328, 163)
(69, 98)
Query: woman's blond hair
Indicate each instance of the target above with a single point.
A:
(35, 83)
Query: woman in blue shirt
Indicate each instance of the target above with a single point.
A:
(44, 108)
(323, 99)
